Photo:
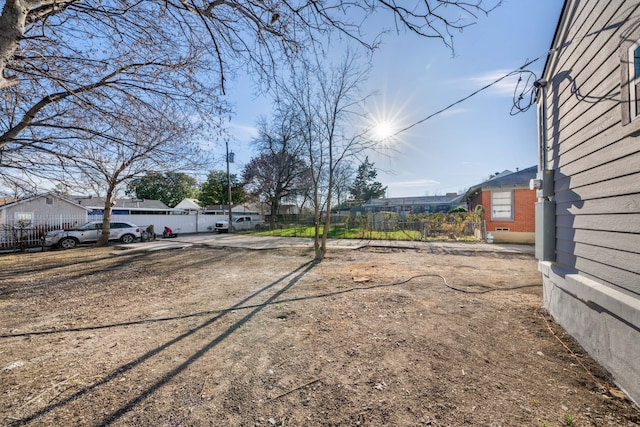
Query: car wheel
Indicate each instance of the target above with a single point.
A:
(128, 238)
(68, 243)
(258, 227)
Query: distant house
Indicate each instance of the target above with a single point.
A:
(23, 222)
(509, 205)
(413, 205)
(189, 205)
(48, 208)
(127, 206)
(589, 179)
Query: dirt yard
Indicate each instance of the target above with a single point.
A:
(230, 337)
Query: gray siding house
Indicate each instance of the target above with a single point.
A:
(41, 209)
(23, 222)
(588, 210)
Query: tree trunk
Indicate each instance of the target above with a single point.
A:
(275, 206)
(327, 223)
(317, 247)
(319, 253)
(103, 240)
(327, 214)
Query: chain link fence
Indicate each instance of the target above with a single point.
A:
(387, 226)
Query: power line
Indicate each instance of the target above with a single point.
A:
(523, 99)
(517, 106)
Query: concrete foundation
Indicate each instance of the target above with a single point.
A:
(513, 237)
(606, 322)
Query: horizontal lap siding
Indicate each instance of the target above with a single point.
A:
(596, 162)
(584, 63)
(609, 205)
(615, 223)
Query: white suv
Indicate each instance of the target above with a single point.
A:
(90, 232)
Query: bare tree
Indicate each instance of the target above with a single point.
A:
(327, 102)
(279, 171)
(80, 71)
(71, 69)
(54, 42)
(257, 30)
(106, 162)
(343, 176)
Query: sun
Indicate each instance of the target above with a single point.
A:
(384, 130)
(384, 123)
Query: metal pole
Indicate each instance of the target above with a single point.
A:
(230, 228)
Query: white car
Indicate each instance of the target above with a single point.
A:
(90, 232)
(244, 222)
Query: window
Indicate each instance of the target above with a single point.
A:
(501, 205)
(90, 226)
(23, 219)
(634, 81)
(49, 200)
(630, 82)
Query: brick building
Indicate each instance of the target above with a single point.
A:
(509, 205)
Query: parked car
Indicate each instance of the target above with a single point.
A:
(244, 222)
(90, 232)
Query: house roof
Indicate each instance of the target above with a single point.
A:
(512, 179)
(234, 208)
(220, 207)
(17, 202)
(506, 179)
(98, 203)
(7, 200)
(188, 204)
(423, 200)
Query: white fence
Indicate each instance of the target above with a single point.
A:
(178, 223)
(29, 234)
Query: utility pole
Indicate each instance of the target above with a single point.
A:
(229, 160)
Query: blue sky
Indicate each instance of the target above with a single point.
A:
(415, 77)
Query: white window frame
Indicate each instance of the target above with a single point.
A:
(629, 98)
(23, 219)
(499, 204)
(634, 82)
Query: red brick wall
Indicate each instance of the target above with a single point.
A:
(523, 213)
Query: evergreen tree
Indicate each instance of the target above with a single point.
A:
(365, 186)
